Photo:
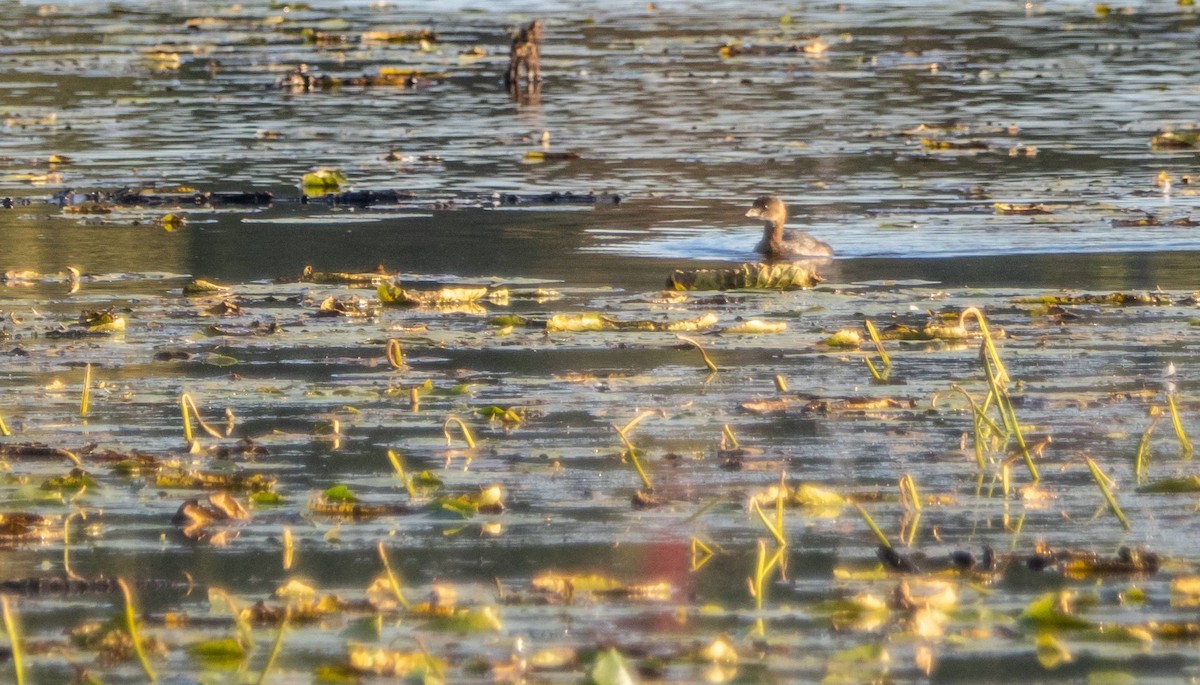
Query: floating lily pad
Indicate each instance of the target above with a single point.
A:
(324, 180)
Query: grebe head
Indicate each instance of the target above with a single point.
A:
(770, 209)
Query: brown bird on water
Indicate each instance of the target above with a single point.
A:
(778, 243)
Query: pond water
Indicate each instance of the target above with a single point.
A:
(897, 133)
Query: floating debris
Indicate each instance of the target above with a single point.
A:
(197, 517)
(1175, 140)
(555, 198)
(1112, 299)
(35, 450)
(393, 295)
(22, 527)
(339, 500)
(954, 146)
(1016, 208)
(360, 198)
(367, 279)
(103, 202)
(746, 277)
(198, 287)
(91, 324)
(194, 479)
(348, 307)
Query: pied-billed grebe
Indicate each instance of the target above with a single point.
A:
(777, 243)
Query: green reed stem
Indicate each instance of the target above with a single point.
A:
(1102, 482)
(880, 375)
(85, 399)
(1004, 404)
(398, 464)
(393, 581)
(729, 436)
(14, 638)
(883, 538)
(1184, 443)
(771, 528)
(908, 493)
(633, 459)
(1141, 461)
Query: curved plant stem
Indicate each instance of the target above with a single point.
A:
(395, 355)
(466, 432)
(188, 407)
(1102, 481)
(707, 360)
(134, 636)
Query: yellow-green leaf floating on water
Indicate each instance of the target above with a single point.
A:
(77, 478)
(198, 287)
(340, 493)
(851, 337)
(1175, 140)
(225, 651)
(809, 495)
(847, 337)
(590, 321)
(391, 294)
(1052, 611)
(596, 322)
(580, 322)
(489, 500)
(105, 321)
(1183, 484)
(745, 277)
(481, 620)
(757, 327)
(323, 181)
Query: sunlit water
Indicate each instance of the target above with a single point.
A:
(1064, 100)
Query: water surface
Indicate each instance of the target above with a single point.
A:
(1061, 104)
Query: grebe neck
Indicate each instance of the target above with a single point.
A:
(773, 232)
